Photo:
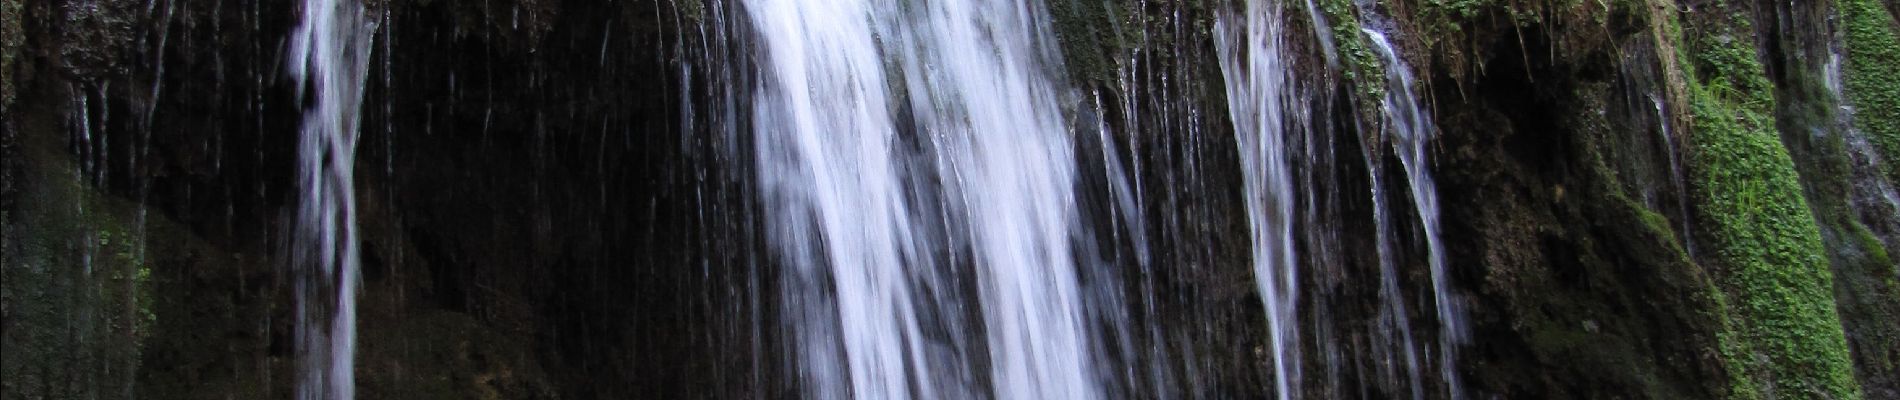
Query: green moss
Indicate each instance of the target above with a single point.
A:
(1597, 321)
(1446, 19)
(77, 286)
(1876, 251)
(1361, 65)
(693, 10)
(1873, 60)
(1652, 220)
(1658, 230)
(1091, 34)
(1731, 347)
(12, 35)
(1808, 116)
(1447, 27)
(1788, 342)
(1459, 9)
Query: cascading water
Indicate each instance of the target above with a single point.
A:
(979, 85)
(1279, 155)
(1410, 130)
(1259, 91)
(329, 55)
(832, 170)
(906, 199)
(898, 184)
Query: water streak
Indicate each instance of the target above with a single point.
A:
(1678, 176)
(330, 54)
(909, 154)
(1259, 93)
(1411, 131)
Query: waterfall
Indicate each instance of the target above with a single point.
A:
(1259, 94)
(330, 55)
(1393, 326)
(1279, 153)
(1410, 130)
(910, 154)
(829, 164)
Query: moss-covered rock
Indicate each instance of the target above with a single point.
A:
(1363, 70)
(76, 283)
(1766, 247)
(1560, 198)
(1093, 36)
(528, 149)
(1873, 59)
(1843, 183)
(12, 39)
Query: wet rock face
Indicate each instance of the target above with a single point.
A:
(12, 38)
(1829, 141)
(539, 179)
(95, 37)
(517, 165)
(549, 211)
(1581, 285)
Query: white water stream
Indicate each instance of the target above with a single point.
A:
(909, 154)
(1259, 92)
(329, 54)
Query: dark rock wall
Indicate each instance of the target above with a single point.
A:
(1564, 212)
(539, 222)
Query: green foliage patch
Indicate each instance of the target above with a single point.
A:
(1788, 341)
(1361, 65)
(12, 37)
(1873, 60)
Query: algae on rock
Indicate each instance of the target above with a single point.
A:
(77, 285)
(1873, 60)
(12, 39)
(1768, 254)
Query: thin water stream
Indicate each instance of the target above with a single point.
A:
(329, 55)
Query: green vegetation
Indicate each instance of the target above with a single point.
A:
(132, 275)
(1810, 122)
(1445, 19)
(79, 296)
(1649, 237)
(12, 36)
(693, 10)
(1361, 65)
(1091, 34)
(1788, 341)
(1873, 60)
(1446, 28)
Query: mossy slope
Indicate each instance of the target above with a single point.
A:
(1768, 253)
(1873, 60)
